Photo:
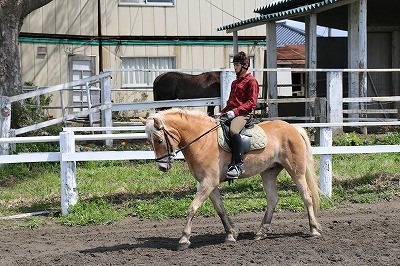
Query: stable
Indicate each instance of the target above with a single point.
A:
(369, 23)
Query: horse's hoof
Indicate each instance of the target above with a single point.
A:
(315, 233)
(230, 240)
(259, 237)
(183, 246)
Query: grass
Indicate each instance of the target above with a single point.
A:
(111, 190)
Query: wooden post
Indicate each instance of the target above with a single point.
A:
(89, 103)
(226, 80)
(69, 193)
(325, 170)
(272, 79)
(5, 123)
(357, 54)
(106, 115)
(311, 61)
(334, 94)
(320, 116)
(235, 42)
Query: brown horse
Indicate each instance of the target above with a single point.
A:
(288, 147)
(178, 85)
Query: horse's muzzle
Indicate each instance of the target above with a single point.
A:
(164, 167)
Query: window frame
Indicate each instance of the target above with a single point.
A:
(146, 3)
(148, 85)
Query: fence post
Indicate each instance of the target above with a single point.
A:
(5, 123)
(334, 94)
(325, 170)
(69, 194)
(106, 115)
(226, 80)
(320, 116)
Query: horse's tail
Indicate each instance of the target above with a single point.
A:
(311, 177)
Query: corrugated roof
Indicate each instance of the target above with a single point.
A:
(331, 13)
(281, 12)
(291, 55)
(287, 35)
(284, 5)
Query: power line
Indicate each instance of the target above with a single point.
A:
(221, 9)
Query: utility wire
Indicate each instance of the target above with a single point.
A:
(222, 10)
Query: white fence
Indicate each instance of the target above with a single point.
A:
(67, 157)
(67, 139)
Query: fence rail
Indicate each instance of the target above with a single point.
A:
(67, 157)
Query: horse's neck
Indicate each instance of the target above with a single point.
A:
(190, 129)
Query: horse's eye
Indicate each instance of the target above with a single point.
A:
(160, 141)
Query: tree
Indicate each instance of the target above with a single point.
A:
(12, 15)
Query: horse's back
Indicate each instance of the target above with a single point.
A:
(178, 85)
(166, 85)
(281, 133)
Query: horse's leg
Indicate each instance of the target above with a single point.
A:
(231, 233)
(305, 192)
(201, 195)
(269, 178)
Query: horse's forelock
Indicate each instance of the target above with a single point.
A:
(151, 130)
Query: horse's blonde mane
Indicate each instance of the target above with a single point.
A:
(152, 131)
(185, 112)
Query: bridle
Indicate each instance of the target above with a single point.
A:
(169, 157)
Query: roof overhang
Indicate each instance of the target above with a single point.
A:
(383, 15)
(280, 14)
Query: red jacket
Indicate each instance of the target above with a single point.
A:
(244, 95)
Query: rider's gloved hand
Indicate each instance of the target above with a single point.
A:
(230, 114)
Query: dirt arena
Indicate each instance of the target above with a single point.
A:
(354, 234)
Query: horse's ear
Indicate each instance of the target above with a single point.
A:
(144, 121)
(158, 123)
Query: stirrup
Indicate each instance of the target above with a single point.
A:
(235, 171)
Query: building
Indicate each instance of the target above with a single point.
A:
(69, 40)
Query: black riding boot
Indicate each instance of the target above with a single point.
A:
(237, 168)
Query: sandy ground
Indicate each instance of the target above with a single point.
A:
(354, 234)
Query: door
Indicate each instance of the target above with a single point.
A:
(81, 67)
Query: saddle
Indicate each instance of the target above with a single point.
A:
(253, 137)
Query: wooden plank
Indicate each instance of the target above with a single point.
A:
(49, 18)
(58, 87)
(194, 18)
(182, 13)
(159, 21)
(125, 22)
(334, 97)
(74, 17)
(372, 99)
(371, 111)
(271, 62)
(148, 21)
(88, 11)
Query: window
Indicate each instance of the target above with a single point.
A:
(141, 79)
(147, 2)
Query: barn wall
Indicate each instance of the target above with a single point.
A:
(199, 18)
(52, 68)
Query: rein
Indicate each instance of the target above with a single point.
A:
(171, 153)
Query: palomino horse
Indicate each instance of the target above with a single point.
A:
(195, 135)
(178, 85)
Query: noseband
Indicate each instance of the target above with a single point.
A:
(169, 157)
